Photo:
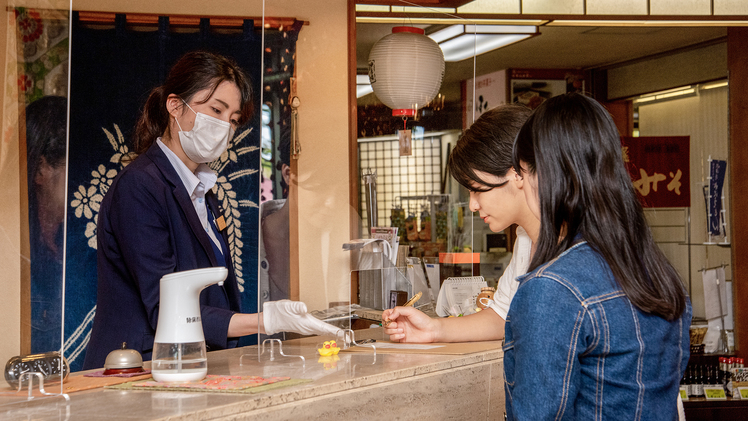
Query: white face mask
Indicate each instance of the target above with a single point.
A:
(207, 140)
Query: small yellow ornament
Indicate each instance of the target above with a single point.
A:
(328, 348)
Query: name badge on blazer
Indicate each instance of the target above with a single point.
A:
(221, 223)
(219, 219)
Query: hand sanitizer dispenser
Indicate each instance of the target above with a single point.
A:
(179, 347)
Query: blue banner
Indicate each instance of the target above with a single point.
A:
(717, 179)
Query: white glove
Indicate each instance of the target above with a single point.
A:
(292, 316)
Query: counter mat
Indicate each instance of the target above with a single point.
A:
(77, 383)
(256, 389)
(441, 348)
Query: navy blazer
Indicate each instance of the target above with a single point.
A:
(147, 228)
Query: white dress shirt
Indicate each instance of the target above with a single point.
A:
(197, 184)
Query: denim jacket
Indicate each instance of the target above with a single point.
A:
(577, 348)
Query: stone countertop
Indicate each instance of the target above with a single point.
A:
(353, 370)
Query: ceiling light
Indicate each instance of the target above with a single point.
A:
(363, 90)
(422, 9)
(676, 93)
(372, 8)
(648, 23)
(459, 42)
(714, 85)
(363, 86)
(445, 21)
(467, 46)
(684, 92)
(447, 33)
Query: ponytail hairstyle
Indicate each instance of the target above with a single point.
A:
(573, 146)
(487, 146)
(194, 72)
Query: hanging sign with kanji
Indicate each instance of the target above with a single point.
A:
(659, 167)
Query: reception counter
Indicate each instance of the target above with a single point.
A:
(359, 385)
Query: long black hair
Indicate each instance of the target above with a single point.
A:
(46, 132)
(573, 146)
(194, 72)
(487, 146)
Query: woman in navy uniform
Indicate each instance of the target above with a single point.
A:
(161, 216)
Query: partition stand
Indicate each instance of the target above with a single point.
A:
(29, 376)
(272, 342)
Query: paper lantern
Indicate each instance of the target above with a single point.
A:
(406, 69)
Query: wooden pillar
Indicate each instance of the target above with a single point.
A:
(623, 115)
(353, 177)
(353, 191)
(737, 67)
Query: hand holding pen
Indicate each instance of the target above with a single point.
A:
(407, 324)
(409, 303)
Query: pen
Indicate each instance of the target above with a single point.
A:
(409, 303)
(413, 299)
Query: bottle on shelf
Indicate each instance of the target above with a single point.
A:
(730, 365)
(691, 381)
(695, 381)
(714, 377)
(683, 381)
(723, 374)
(739, 364)
(700, 379)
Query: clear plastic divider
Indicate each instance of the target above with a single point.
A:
(290, 310)
(417, 201)
(33, 163)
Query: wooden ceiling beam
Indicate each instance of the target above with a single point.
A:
(144, 19)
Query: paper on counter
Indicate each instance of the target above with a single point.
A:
(394, 345)
(215, 382)
(440, 348)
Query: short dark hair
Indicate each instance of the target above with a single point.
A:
(487, 145)
(572, 144)
(192, 73)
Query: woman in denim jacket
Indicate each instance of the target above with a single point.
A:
(598, 329)
(481, 162)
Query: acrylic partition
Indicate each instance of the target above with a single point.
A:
(33, 165)
(60, 64)
(438, 247)
(344, 278)
(101, 146)
(302, 268)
